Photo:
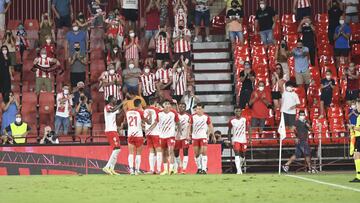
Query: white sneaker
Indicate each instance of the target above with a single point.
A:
(239, 172)
(207, 39)
(196, 39)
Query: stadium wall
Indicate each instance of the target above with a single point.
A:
(65, 159)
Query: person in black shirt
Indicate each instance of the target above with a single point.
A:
(234, 19)
(302, 147)
(327, 86)
(264, 20)
(247, 77)
(334, 13)
(308, 31)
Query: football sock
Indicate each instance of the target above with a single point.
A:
(113, 158)
(158, 161)
(137, 162)
(238, 163)
(185, 162)
(177, 163)
(131, 161)
(204, 161)
(152, 161)
(198, 162)
(357, 167)
(165, 167)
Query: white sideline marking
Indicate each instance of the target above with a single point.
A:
(325, 183)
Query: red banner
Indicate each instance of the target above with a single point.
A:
(46, 160)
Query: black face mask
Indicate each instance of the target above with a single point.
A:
(234, 6)
(81, 89)
(181, 27)
(283, 45)
(77, 49)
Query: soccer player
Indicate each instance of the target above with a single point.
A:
(202, 129)
(134, 120)
(355, 145)
(237, 134)
(110, 111)
(182, 139)
(168, 121)
(152, 137)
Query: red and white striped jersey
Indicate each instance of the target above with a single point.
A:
(134, 120)
(114, 89)
(303, 3)
(238, 129)
(45, 63)
(200, 126)
(154, 118)
(163, 75)
(180, 16)
(179, 83)
(110, 119)
(162, 45)
(50, 50)
(185, 120)
(148, 84)
(182, 45)
(133, 51)
(167, 124)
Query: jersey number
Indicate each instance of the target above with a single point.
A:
(132, 121)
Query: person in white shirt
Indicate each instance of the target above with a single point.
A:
(290, 100)
(63, 111)
(202, 129)
(111, 132)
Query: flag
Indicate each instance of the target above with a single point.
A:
(281, 129)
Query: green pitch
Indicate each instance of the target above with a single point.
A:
(180, 188)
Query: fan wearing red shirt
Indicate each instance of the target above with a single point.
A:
(260, 101)
(202, 128)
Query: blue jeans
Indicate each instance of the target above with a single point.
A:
(150, 34)
(130, 88)
(236, 34)
(62, 122)
(267, 37)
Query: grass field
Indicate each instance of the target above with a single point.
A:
(181, 188)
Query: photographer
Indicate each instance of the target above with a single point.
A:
(49, 136)
(182, 41)
(78, 63)
(162, 43)
(78, 91)
(83, 116)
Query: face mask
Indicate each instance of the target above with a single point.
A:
(18, 120)
(75, 28)
(353, 106)
(181, 27)
(48, 41)
(131, 66)
(307, 24)
(328, 77)
(302, 118)
(289, 89)
(247, 66)
(81, 89)
(43, 56)
(234, 6)
(115, 51)
(77, 49)
(132, 34)
(66, 92)
(261, 89)
(4, 52)
(262, 6)
(147, 70)
(112, 71)
(81, 16)
(341, 22)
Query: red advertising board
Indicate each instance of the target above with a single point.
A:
(46, 160)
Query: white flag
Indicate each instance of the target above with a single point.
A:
(281, 129)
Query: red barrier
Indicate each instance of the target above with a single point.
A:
(59, 160)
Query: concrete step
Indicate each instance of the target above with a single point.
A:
(220, 119)
(212, 76)
(212, 66)
(219, 108)
(214, 87)
(211, 55)
(210, 45)
(216, 98)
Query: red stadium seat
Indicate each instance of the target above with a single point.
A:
(290, 29)
(314, 113)
(321, 18)
(320, 127)
(13, 24)
(335, 112)
(288, 19)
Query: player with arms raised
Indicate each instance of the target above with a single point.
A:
(202, 129)
(110, 111)
(237, 134)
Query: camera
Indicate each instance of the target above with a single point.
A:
(82, 98)
(51, 134)
(162, 33)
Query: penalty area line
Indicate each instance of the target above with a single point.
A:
(324, 183)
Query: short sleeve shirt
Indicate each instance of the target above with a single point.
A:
(265, 18)
(80, 37)
(62, 7)
(2, 5)
(342, 42)
(301, 60)
(328, 89)
(302, 130)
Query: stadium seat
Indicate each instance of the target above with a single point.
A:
(13, 24)
(288, 19)
(335, 112)
(321, 18)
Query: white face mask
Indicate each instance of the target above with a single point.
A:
(4, 52)
(261, 88)
(262, 6)
(328, 77)
(289, 89)
(147, 70)
(131, 66)
(115, 51)
(112, 71)
(75, 28)
(48, 41)
(132, 34)
(341, 22)
(66, 92)
(353, 106)
(18, 120)
(302, 118)
(178, 70)
(43, 56)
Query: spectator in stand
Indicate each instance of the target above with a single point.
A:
(182, 41)
(301, 57)
(63, 111)
(49, 46)
(281, 56)
(180, 12)
(247, 77)
(22, 42)
(115, 30)
(289, 101)
(234, 20)
(342, 41)
(6, 72)
(63, 13)
(152, 21)
(9, 106)
(83, 115)
(351, 11)
(265, 19)
(179, 79)
(307, 29)
(49, 136)
(78, 63)
(94, 9)
(190, 99)
(46, 25)
(260, 102)
(164, 80)
(162, 43)
(130, 11)
(278, 83)
(227, 8)
(202, 13)
(16, 132)
(111, 83)
(164, 12)
(131, 77)
(352, 90)
(132, 48)
(327, 86)
(334, 13)
(147, 84)
(43, 78)
(74, 36)
(82, 22)
(79, 90)
(114, 57)
(10, 41)
(353, 113)
(4, 7)
(302, 8)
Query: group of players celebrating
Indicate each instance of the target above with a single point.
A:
(168, 129)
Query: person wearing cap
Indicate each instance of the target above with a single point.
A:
(80, 89)
(290, 100)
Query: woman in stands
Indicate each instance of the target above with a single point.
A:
(278, 83)
(9, 40)
(132, 47)
(83, 116)
(46, 25)
(281, 57)
(114, 57)
(6, 75)
(9, 107)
